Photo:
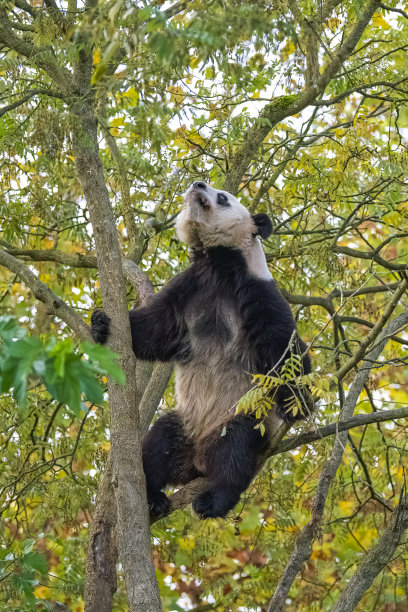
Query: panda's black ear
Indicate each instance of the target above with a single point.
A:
(263, 225)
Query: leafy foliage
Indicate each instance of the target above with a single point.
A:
(66, 374)
(175, 95)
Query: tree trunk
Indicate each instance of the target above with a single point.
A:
(100, 582)
(132, 528)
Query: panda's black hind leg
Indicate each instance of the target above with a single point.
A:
(167, 459)
(231, 461)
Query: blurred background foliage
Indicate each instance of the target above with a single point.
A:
(176, 87)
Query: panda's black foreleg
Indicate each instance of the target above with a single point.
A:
(231, 461)
(167, 459)
(287, 397)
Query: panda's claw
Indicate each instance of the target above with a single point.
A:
(100, 323)
(159, 505)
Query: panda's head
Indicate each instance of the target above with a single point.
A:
(212, 218)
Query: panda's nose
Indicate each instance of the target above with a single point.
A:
(199, 185)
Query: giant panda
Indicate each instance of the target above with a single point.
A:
(219, 321)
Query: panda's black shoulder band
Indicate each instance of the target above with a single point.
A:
(263, 225)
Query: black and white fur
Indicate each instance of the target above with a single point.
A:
(220, 320)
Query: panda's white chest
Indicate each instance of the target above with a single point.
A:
(210, 385)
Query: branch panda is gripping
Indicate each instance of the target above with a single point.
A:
(219, 320)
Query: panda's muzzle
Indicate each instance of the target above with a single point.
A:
(200, 185)
(199, 196)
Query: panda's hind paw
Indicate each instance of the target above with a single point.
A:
(159, 504)
(212, 504)
(100, 326)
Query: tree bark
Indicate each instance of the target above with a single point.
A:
(100, 579)
(132, 529)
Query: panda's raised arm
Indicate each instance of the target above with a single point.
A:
(269, 325)
(271, 333)
(158, 329)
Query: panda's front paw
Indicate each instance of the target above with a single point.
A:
(288, 414)
(159, 504)
(214, 503)
(293, 404)
(100, 326)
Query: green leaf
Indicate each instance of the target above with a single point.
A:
(36, 561)
(10, 329)
(27, 545)
(105, 358)
(91, 389)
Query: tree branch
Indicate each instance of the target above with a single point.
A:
(57, 15)
(329, 430)
(373, 255)
(133, 273)
(40, 56)
(343, 319)
(153, 394)
(372, 335)
(392, 9)
(41, 292)
(285, 106)
(100, 582)
(186, 494)
(176, 8)
(358, 89)
(24, 99)
(128, 215)
(54, 255)
(375, 561)
(303, 546)
(24, 6)
(132, 528)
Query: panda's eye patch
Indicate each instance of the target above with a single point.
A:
(222, 199)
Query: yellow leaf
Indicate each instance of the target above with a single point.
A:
(118, 121)
(42, 592)
(48, 243)
(287, 50)
(346, 506)
(96, 56)
(132, 94)
(177, 95)
(318, 553)
(187, 543)
(379, 22)
(333, 23)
